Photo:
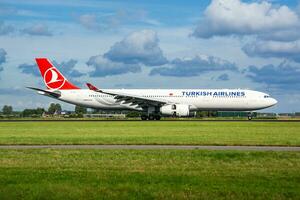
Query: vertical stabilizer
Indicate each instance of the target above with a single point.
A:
(53, 79)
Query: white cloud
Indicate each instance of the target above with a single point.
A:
(287, 50)
(234, 17)
(141, 47)
(114, 20)
(138, 47)
(89, 21)
(223, 77)
(2, 58)
(188, 67)
(37, 30)
(66, 67)
(282, 77)
(104, 67)
(284, 35)
(5, 29)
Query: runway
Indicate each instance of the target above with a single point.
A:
(157, 147)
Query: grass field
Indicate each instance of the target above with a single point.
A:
(138, 132)
(148, 174)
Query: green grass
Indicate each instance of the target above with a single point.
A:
(148, 174)
(138, 132)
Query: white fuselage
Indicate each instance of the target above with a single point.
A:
(197, 99)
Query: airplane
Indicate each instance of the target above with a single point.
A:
(153, 103)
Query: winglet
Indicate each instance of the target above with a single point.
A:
(92, 87)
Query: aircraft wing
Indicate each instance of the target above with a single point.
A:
(130, 98)
(55, 94)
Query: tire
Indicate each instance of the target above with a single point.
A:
(157, 117)
(151, 117)
(144, 117)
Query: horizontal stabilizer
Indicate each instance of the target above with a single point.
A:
(55, 94)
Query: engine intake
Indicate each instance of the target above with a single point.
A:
(180, 110)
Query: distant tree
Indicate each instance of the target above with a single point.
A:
(133, 114)
(80, 110)
(33, 112)
(40, 111)
(7, 110)
(214, 113)
(201, 114)
(206, 114)
(27, 112)
(58, 108)
(54, 108)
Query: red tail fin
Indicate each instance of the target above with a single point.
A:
(53, 79)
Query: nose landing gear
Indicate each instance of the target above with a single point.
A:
(250, 116)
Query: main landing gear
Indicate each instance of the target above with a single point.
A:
(150, 117)
(151, 113)
(250, 116)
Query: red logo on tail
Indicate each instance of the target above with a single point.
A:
(52, 77)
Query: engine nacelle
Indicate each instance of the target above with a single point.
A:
(180, 110)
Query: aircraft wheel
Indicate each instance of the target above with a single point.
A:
(151, 117)
(144, 117)
(157, 117)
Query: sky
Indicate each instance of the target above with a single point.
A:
(152, 44)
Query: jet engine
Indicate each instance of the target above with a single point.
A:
(180, 110)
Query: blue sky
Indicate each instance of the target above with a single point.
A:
(152, 44)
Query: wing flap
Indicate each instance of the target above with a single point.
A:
(130, 98)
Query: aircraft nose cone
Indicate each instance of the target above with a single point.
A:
(273, 101)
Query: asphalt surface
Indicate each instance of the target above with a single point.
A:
(147, 147)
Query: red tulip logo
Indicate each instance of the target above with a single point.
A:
(53, 79)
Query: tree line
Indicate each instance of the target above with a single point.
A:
(54, 108)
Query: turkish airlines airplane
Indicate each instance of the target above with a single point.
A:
(152, 102)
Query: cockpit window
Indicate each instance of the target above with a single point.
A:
(266, 96)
